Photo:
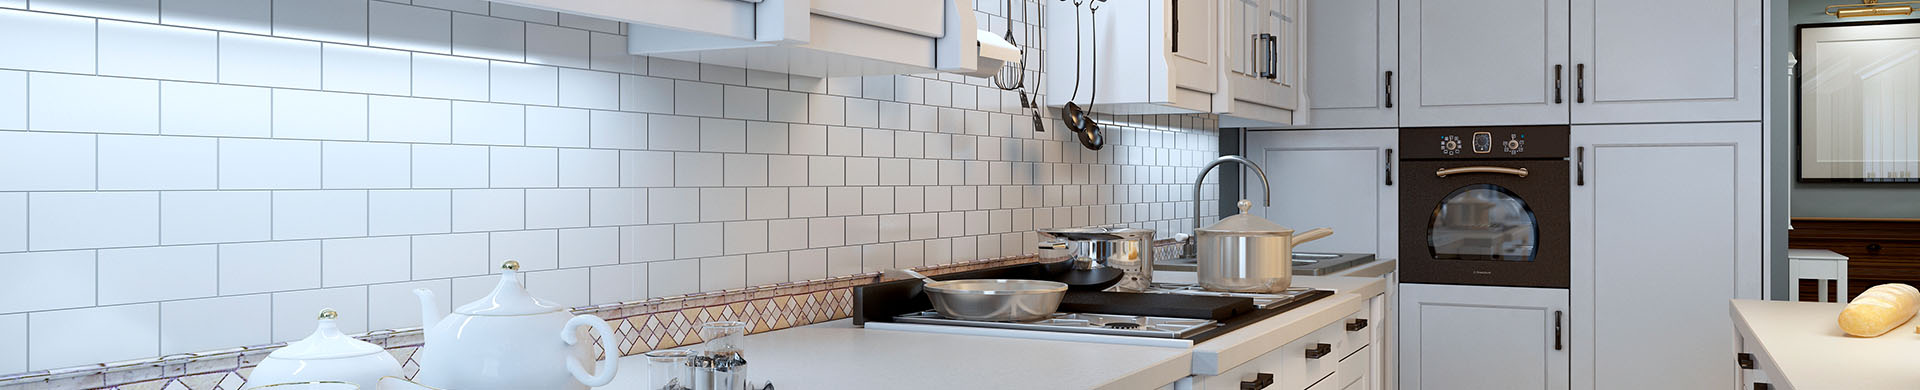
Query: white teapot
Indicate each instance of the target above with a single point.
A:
(510, 340)
(325, 355)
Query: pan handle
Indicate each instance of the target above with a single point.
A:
(1310, 235)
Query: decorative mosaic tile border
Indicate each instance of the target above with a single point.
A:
(643, 326)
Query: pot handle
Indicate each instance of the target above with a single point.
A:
(1310, 235)
(603, 371)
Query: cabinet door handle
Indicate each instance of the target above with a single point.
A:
(1580, 83)
(1356, 325)
(1557, 83)
(1319, 350)
(1389, 166)
(1254, 54)
(1580, 166)
(1556, 330)
(1762, 386)
(1745, 360)
(1389, 90)
(1176, 24)
(1260, 381)
(1273, 57)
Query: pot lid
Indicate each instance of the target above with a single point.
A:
(508, 298)
(1247, 224)
(1097, 233)
(326, 342)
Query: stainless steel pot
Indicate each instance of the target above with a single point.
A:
(1126, 249)
(996, 299)
(1246, 253)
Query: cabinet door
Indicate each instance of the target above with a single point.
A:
(1283, 21)
(1483, 62)
(1666, 228)
(1351, 46)
(1338, 179)
(1665, 60)
(1479, 337)
(1260, 91)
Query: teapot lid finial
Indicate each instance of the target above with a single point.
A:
(328, 314)
(510, 264)
(509, 297)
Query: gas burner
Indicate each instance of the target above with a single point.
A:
(1262, 301)
(1121, 325)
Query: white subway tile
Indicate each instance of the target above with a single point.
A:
(646, 243)
(409, 27)
(697, 98)
(216, 323)
(843, 260)
(13, 336)
(807, 139)
(745, 103)
(766, 268)
(619, 283)
(673, 205)
(723, 74)
(826, 110)
(698, 169)
(534, 249)
(137, 10)
(806, 265)
(590, 23)
(557, 208)
(13, 222)
(909, 254)
(863, 171)
(807, 202)
(357, 261)
(557, 46)
(672, 68)
(46, 42)
(13, 100)
(909, 199)
(894, 116)
(449, 255)
(766, 203)
(608, 51)
(877, 87)
(467, 6)
(524, 84)
(877, 143)
(409, 212)
(787, 234)
(60, 102)
(923, 226)
(449, 166)
(268, 61)
(646, 169)
(553, 126)
(746, 170)
(319, 214)
(589, 247)
(863, 113)
(863, 230)
(723, 135)
(366, 70)
(669, 278)
(201, 217)
(617, 206)
(472, 288)
(294, 312)
(319, 115)
(746, 237)
(877, 200)
(723, 204)
(766, 138)
(269, 164)
(827, 171)
(589, 168)
(789, 171)
(393, 305)
(567, 287)
(668, 132)
(269, 266)
(826, 232)
(923, 118)
(589, 89)
(248, 16)
(449, 77)
(400, 119)
(720, 273)
(92, 335)
(46, 161)
(343, 21)
(843, 201)
(769, 80)
(157, 163)
(487, 210)
(489, 123)
(161, 52)
(48, 281)
(353, 165)
(698, 240)
(844, 141)
(158, 274)
(69, 220)
(786, 106)
(843, 86)
(617, 130)
(878, 257)
(524, 167)
(215, 110)
(894, 172)
(523, 13)
(645, 94)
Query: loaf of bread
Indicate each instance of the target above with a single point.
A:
(1880, 309)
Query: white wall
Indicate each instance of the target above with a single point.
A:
(188, 175)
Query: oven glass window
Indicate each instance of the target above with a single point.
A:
(1483, 222)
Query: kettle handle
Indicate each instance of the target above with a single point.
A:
(602, 371)
(1310, 235)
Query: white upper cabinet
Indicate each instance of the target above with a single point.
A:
(1483, 62)
(1133, 57)
(1352, 54)
(1666, 60)
(806, 37)
(1261, 64)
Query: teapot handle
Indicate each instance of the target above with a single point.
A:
(602, 371)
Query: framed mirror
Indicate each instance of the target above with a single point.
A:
(1858, 93)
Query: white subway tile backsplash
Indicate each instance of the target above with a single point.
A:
(590, 23)
(319, 115)
(201, 217)
(523, 13)
(93, 220)
(137, 10)
(558, 127)
(863, 230)
(13, 222)
(269, 266)
(400, 119)
(158, 274)
(46, 42)
(745, 103)
(719, 273)
(843, 201)
(157, 163)
(319, 214)
(807, 139)
(489, 210)
(49, 280)
(249, 16)
(617, 130)
(269, 164)
(862, 171)
(215, 323)
(667, 278)
(787, 106)
(467, 6)
(606, 50)
(13, 100)
(670, 132)
(522, 83)
(806, 265)
(746, 170)
(91, 335)
(46, 161)
(589, 168)
(393, 305)
(488, 123)
(408, 27)
(450, 255)
(557, 46)
(697, 99)
(449, 77)
(698, 169)
(617, 206)
(62, 102)
(357, 165)
(721, 135)
(343, 21)
(863, 112)
(843, 260)
(294, 312)
(557, 208)
(366, 70)
(589, 89)
(155, 51)
(766, 137)
(589, 247)
(698, 240)
(524, 167)
(450, 166)
(567, 287)
(671, 68)
(646, 169)
(826, 171)
(723, 204)
(645, 94)
(409, 212)
(646, 243)
(617, 283)
(844, 141)
(13, 338)
(268, 61)
(358, 261)
(673, 205)
(215, 110)
(534, 249)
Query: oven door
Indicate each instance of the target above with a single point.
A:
(1484, 222)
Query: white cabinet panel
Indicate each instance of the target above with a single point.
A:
(1336, 179)
(1350, 48)
(1477, 337)
(1666, 226)
(1692, 60)
(1483, 62)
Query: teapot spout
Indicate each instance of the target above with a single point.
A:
(430, 313)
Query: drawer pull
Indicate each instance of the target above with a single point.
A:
(1260, 381)
(1319, 350)
(1356, 325)
(1745, 359)
(1762, 386)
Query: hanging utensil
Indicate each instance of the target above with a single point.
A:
(1013, 77)
(1076, 118)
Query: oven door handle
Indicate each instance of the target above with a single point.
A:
(1443, 172)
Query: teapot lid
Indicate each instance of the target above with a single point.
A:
(326, 342)
(1247, 224)
(508, 298)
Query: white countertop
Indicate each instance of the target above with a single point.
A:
(839, 356)
(1805, 349)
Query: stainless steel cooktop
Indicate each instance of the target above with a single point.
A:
(1261, 301)
(1119, 325)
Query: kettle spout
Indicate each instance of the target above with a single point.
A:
(430, 313)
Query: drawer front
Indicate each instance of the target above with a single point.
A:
(1290, 368)
(1355, 370)
(922, 17)
(1357, 331)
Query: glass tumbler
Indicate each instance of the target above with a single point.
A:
(671, 369)
(726, 367)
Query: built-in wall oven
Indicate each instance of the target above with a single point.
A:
(1484, 206)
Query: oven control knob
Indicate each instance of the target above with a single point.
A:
(1516, 144)
(1450, 145)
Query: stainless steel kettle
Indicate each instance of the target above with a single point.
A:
(1246, 253)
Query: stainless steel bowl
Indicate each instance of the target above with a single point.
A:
(996, 299)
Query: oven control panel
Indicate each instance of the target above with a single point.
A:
(1484, 142)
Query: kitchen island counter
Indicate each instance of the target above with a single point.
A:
(1799, 345)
